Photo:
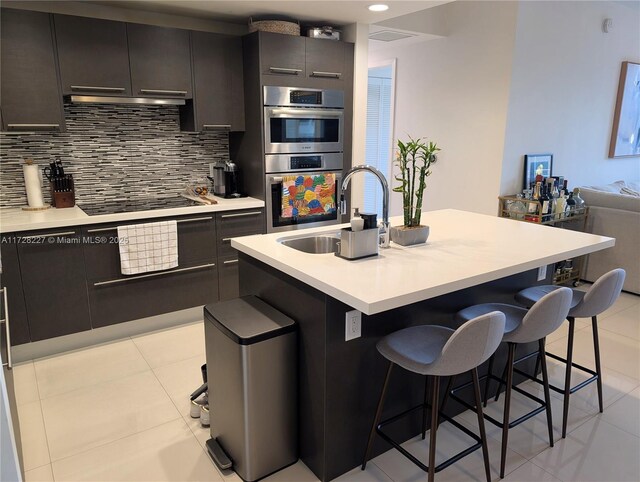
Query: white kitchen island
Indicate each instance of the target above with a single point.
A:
(469, 258)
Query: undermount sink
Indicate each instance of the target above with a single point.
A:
(315, 244)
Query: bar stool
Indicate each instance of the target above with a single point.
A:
(600, 297)
(437, 351)
(522, 326)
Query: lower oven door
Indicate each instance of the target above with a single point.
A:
(299, 200)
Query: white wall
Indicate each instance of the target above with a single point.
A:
(358, 33)
(563, 89)
(455, 91)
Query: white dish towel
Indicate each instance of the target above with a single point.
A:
(148, 247)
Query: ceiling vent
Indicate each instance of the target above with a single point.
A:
(390, 35)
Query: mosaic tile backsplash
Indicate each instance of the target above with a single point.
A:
(114, 153)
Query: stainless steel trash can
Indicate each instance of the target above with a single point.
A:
(252, 373)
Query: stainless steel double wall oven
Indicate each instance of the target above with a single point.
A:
(303, 145)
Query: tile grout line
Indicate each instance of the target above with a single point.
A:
(44, 422)
(111, 441)
(116, 439)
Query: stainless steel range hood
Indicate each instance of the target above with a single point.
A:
(104, 99)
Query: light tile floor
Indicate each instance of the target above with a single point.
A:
(120, 411)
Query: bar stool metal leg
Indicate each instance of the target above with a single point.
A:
(507, 406)
(486, 385)
(445, 399)
(596, 352)
(424, 407)
(483, 433)
(378, 416)
(434, 427)
(567, 376)
(545, 384)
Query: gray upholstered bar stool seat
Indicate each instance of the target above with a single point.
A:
(521, 326)
(600, 297)
(437, 351)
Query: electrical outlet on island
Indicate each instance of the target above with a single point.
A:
(352, 325)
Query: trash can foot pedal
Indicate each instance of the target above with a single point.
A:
(218, 454)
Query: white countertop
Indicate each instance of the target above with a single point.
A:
(463, 250)
(15, 219)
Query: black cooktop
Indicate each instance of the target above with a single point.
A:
(145, 204)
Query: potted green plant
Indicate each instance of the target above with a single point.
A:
(414, 160)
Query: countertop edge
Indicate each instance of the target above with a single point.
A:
(374, 307)
(83, 219)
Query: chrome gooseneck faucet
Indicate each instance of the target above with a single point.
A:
(384, 227)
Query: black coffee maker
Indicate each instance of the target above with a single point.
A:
(232, 181)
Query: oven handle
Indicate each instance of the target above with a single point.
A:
(304, 111)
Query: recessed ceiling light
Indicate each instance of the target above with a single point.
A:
(378, 7)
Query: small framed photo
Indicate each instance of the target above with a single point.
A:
(534, 165)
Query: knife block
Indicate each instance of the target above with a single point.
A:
(63, 194)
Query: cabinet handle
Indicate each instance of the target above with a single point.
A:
(33, 126)
(193, 220)
(9, 363)
(163, 92)
(65, 233)
(153, 275)
(283, 70)
(230, 261)
(113, 228)
(216, 126)
(101, 230)
(226, 240)
(97, 88)
(333, 75)
(253, 213)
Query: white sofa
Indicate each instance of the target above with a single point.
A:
(614, 210)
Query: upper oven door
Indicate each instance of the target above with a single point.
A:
(299, 130)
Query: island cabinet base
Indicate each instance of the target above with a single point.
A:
(339, 382)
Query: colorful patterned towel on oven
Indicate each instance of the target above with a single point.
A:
(308, 195)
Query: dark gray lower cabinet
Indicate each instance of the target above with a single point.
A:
(231, 225)
(54, 283)
(152, 294)
(229, 287)
(115, 298)
(11, 280)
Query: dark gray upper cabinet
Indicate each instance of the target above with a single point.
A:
(30, 93)
(160, 60)
(282, 54)
(54, 282)
(325, 59)
(93, 56)
(218, 84)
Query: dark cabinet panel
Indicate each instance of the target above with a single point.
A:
(160, 61)
(11, 280)
(233, 224)
(325, 59)
(140, 296)
(93, 56)
(218, 84)
(30, 93)
(196, 245)
(54, 282)
(282, 55)
(228, 278)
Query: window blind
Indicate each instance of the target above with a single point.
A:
(378, 149)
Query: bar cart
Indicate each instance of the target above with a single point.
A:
(530, 211)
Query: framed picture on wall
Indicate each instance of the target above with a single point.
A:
(534, 165)
(625, 134)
